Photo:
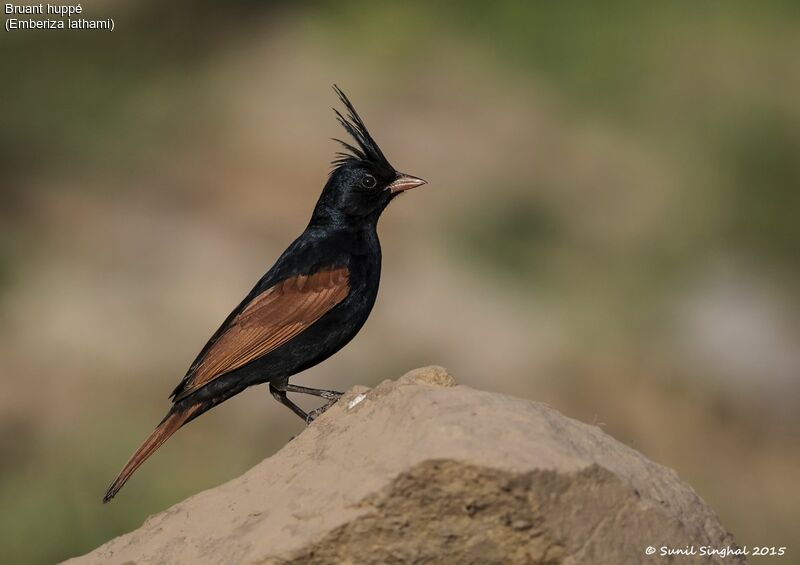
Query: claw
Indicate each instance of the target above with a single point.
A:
(314, 414)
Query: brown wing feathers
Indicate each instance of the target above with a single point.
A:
(270, 320)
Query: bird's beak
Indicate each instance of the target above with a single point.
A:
(405, 182)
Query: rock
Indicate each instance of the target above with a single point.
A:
(420, 470)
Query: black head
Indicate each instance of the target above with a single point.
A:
(362, 182)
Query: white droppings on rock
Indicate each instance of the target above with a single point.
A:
(353, 403)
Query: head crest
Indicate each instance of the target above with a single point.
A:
(365, 149)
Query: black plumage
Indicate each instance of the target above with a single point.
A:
(310, 304)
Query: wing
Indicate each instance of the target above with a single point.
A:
(270, 320)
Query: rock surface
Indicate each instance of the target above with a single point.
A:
(420, 470)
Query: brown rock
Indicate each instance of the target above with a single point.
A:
(420, 470)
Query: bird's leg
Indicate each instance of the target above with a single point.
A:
(321, 392)
(280, 395)
(318, 412)
(279, 391)
(330, 395)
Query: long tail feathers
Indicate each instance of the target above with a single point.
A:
(168, 426)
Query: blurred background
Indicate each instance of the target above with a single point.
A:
(611, 227)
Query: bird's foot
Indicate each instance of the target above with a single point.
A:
(331, 395)
(311, 416)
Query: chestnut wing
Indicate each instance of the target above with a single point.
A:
(270, 320)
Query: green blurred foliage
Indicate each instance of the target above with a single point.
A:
(763, 157)
(70, 92)
(512, 236)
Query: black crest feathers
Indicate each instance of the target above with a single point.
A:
(365, 149)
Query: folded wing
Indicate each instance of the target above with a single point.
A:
(270, 320)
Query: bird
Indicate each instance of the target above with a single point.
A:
(308, 305)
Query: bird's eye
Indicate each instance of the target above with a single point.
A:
(368, 181)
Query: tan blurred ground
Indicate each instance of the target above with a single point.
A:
(610, 227)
